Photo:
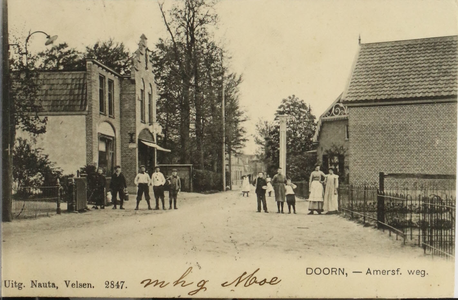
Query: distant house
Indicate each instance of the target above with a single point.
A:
(244, 165)
(331, 140)
(98, 116)
(402, 108)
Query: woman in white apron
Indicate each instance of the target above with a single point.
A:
(331, 205)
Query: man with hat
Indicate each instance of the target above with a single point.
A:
(118, 185)
(158, 187)
(143, 181)
(174, 188)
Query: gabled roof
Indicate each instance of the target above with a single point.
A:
(62, 91)
(337, 111)
(405, 70)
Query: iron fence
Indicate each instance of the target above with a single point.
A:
(359, 203)
(33, 202)
(419, 212)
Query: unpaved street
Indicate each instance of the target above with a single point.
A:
(218, 225)
(221, 229)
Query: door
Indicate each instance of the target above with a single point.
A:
(106, 154)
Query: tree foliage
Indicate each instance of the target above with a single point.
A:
(32, 168)
(300, 127)
(112, 54)
(60, 57)
(189, 71)
(23, 90)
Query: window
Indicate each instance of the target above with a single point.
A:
(150, 105)
(102, 104)
(142, 103)
(111, 98)
(347, 132)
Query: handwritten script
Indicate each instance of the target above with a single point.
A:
(244, 280)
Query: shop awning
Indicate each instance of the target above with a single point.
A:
(152, 145)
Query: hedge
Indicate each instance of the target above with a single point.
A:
(206, 181)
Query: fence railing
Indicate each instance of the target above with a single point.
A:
(359, 203)
(423, 214)
(33, 202)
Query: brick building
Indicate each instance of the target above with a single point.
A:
(331, 140)
(98, 116)
(402, 107)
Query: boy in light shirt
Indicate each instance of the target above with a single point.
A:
(143, 181)
(290, 196)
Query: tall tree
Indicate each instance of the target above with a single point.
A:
(187, 26)
(300, 127)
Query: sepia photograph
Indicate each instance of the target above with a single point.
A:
(229, 149)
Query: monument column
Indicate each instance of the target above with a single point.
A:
(283, 143)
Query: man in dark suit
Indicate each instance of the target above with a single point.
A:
(261, 186)
(118, 185)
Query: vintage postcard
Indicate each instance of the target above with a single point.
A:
(229, 149)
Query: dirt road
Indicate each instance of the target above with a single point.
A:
(219, 225)
(223, 227)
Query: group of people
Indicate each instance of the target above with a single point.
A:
(283, 188)
(118, 186)
(327, 201)
(320, 199)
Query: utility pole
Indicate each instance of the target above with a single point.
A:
(7, 124)
(223, 118)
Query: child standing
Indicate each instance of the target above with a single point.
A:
(270, 188)
(245, 186)
(290, 196)
(174, 188)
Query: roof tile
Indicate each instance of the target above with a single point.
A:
(405, 69)
(62, 91)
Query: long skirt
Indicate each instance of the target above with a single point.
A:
(316, 196)
(280, 192)
(330, 200)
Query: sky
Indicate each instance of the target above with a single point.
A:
(281, 47)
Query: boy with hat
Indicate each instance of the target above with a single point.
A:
(174, 188)
(143, 181)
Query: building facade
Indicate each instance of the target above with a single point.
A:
(332, 140)
(98, 116)
(402, 107)
(245, 165)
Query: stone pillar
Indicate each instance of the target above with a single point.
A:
(282, 162)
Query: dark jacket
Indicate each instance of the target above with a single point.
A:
(259, 183)
(175, 183)
(118, 182)
(99, 183)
